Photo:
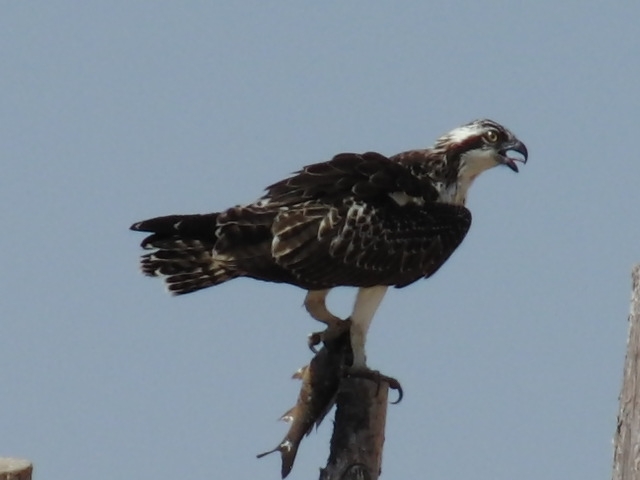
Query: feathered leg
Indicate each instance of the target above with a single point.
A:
(367, 302)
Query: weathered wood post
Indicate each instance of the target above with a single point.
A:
(358, 433)
(15, 469)
(626, 443)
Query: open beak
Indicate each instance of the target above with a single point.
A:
(515, 146)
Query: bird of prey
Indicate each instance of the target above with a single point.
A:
(361, 220)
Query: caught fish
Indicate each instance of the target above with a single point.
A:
(320, 382)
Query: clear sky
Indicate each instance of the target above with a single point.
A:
(112, 112)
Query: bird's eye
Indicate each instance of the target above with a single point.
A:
(491, 136)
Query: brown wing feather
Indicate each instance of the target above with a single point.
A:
(366, 176)
(332, 223)
(366, 244)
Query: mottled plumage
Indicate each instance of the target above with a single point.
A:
(334, 223)
(362, 220)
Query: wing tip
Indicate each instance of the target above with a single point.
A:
(137, 226)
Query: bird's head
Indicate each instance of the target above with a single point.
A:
(480, 145)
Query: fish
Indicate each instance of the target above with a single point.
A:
(320, 382)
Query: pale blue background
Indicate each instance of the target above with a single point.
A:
(112, 112)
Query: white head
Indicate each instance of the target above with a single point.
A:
(476, 147)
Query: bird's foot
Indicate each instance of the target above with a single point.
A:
(377, 377)
(330, 334)
(313, 340)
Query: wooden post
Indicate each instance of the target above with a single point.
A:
(626, 455)
(358, 433)
(15, 469)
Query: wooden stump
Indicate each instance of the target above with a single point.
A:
(15, 469)
(358, 433)
(626, 456)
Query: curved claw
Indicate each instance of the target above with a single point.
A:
(395, 385)
(314, 339)
(332, 334)
(377, 377)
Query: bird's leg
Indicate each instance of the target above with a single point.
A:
(367, 302)
(315, 303)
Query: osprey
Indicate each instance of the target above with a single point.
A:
(361, 220)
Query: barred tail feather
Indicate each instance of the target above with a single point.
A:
(183, 252)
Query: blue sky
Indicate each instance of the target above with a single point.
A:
(111, 112)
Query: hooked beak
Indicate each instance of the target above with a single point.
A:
(515, 146)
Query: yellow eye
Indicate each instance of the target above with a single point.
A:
(491, 136)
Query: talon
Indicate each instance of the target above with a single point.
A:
(395, 385)
(314, 339)
(377, 377)
(333, 333)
